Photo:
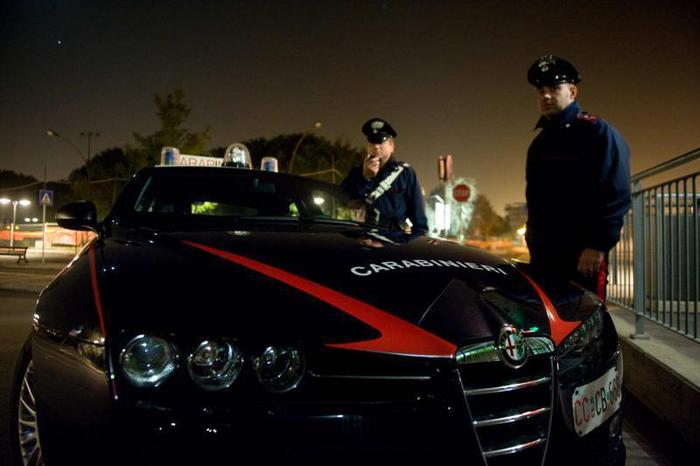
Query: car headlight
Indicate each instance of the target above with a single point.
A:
(215, 365)
(584, 335)
(279, 369)
(148, 361)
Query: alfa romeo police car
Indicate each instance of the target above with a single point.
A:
(244, 317)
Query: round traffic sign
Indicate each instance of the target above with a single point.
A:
(461, 192)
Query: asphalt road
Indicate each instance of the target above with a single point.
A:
(18, 290)
(15, 323)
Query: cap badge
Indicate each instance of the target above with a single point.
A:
(512, 347)
(377, 125)
(545, 62)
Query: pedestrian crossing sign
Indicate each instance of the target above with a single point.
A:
(46, 197)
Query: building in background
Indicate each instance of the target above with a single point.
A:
(516, 215)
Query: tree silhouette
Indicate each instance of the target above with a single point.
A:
(316, 157)
(485, 221)
(172, 112)
(109, 171)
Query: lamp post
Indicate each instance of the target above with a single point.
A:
(86, 160)
(89, 135)
(23, 203)
(54, 134)
(316, 125)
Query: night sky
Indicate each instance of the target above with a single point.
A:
(449, 76)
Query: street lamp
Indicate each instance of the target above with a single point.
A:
(316, 125)
(23, 203)
(89, 135)
(54, 134)
(86, 160)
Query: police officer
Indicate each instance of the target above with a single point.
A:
(578, 181)
(388, 188)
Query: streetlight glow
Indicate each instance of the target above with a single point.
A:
(21, 202)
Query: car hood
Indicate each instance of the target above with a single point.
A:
(336, 286)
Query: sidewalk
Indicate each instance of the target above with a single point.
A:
(33, 276)
(663, 373)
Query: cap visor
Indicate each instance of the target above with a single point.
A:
(378, 138)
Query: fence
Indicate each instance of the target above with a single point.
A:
(655, 268)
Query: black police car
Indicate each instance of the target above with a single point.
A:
(244, 317)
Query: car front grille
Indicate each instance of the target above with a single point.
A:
(510, 408)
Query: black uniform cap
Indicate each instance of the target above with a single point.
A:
(378, 130)
(549, 70)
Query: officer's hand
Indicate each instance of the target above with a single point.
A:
(370, 166)
(589, 262)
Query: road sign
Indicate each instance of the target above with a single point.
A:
(445, 167)
(461, 192)
(46, 197)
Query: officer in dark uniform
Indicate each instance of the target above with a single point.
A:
(387, 188)
(578, 181)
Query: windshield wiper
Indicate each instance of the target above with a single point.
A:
(330, 221)
(270, 218)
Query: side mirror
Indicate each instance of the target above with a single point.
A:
(78, 215)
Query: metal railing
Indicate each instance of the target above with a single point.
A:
(655, 268)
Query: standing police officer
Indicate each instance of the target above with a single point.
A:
(389, 189)
(578, 181)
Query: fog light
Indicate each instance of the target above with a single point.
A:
(148, 361)
(279, 369)
(215, 365)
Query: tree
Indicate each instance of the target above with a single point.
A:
(485, 221)
(111, 167)
(11, 179)
(172, 112)
(108, 171)
(316, 157)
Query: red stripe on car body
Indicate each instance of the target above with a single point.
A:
(96, 291)
(560, 328)
(398, 336)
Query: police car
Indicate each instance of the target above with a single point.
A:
(244, 317)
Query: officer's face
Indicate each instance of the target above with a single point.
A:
(551, 100)
(382, 150)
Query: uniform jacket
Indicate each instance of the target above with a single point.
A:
(403, 200)
(578, 185)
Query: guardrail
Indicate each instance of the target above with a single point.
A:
(655, 268)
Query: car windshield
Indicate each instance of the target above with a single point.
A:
(182, 195)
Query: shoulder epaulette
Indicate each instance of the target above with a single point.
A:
(587, 117)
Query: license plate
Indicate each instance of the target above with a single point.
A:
(595, 402)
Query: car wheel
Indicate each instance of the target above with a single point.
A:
(24, 428)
